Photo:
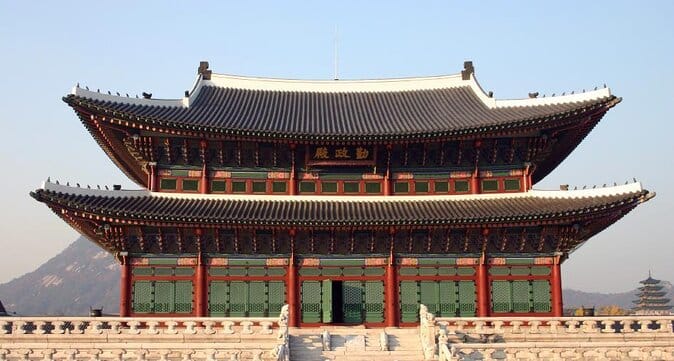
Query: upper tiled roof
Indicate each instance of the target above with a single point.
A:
(340, 110)
(532, 206)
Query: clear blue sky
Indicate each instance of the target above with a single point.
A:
(516, 47)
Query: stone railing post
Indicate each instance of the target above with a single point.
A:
(427, 332)
(282, 351)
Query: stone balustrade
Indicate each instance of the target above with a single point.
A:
(142, 338)
(536, 328)
(547, 338)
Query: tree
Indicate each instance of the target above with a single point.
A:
(611, 310)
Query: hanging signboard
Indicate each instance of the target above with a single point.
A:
(356, 155)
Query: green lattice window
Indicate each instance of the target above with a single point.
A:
(218, 186)
(259, 187)
(329, 187)
(511, 184)
(307, 187)
(401, 187)
(371, 187)
(190, 185)
(239, 186)
(351, 187)
(489, 185)
(461, 186)
(168, 184)
(279, 187)
(441, 187)
(421, 187)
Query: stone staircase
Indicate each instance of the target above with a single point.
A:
(355, 343)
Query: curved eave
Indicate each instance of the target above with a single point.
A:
(156, 124)
(142, 208)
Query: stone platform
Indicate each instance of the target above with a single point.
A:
(262, 339)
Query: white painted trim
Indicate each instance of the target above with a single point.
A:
(60, 188)
(573, 194)
(346, 86)
(124, 100)
(570, 98)
(336, 86)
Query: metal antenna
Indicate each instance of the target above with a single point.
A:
(336, 74)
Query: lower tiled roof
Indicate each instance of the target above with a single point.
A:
(533, 206)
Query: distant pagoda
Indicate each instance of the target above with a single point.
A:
(652, 300)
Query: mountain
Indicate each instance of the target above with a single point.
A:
(81, 276)
(84, 276)
(575, 299)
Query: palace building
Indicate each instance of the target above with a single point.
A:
(351, 201)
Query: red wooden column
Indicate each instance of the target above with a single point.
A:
(556, 288)
(125, 288)
(482, 288)
(152, 181)
(200, 288)
(387, 175)
(203, 185)
(474, 179)
(292, 183)
(391, 286)
(292, 286)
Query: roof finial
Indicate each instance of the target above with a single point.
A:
(468, 70)
(203, 70)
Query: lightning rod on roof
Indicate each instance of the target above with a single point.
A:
(336, 63)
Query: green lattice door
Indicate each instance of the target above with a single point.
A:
(277, 297)
(142, 296)
(429, 295)
(409, 301)
(218, 298)
(352, 296)
(326, 301)
(520, 296)
(257, 298)
(449, 299)
(311, 301)
(238, 299)
(183, 297)
(374, 301)
(501, 299)
(467, 298)
(541, 295)
(164, 296)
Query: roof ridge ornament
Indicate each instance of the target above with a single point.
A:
(468, 70)
(204, 71)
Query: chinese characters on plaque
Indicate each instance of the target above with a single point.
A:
(340, 154)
